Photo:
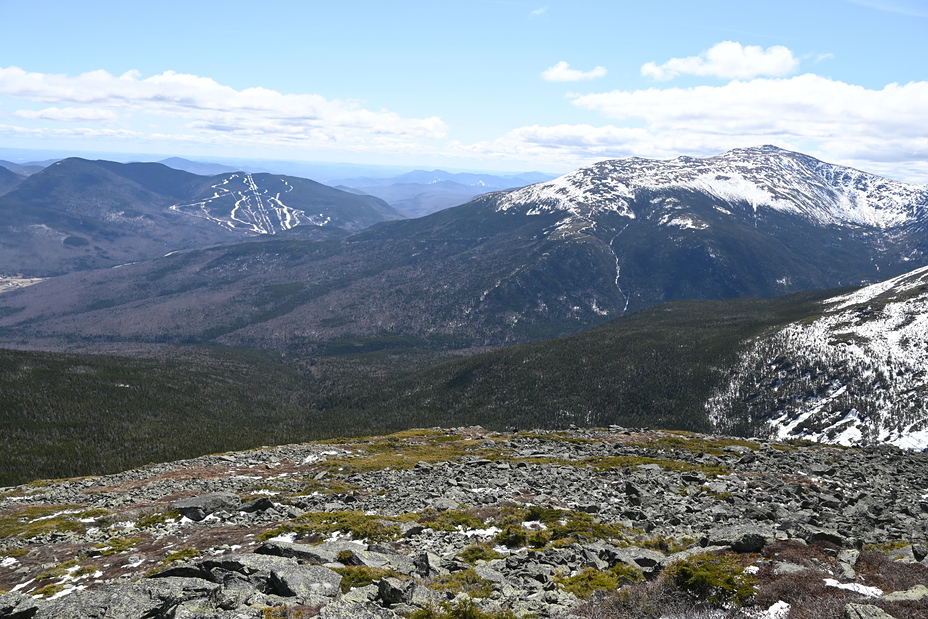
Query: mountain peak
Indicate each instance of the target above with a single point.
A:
(762, 177)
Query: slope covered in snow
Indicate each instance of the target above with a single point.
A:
(857, 374)
(761, 177)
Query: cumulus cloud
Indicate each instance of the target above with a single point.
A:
(561, 72)
(729, 60)
(209, 106)
(879, 130)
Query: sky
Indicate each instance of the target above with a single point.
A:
(496, 85)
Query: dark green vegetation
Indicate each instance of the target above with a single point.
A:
(64, 415)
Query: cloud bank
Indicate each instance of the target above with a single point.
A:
(883, 129)
(728, 60)
(207, 106)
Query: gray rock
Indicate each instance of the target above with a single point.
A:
(422, 597)
(320, 554)
(362, 594)
(865, 611)
(116, 601)
(915, 594)
(741, 537)
(16, 605)
(783, 568)
(246, 564)
(198, 508)
(306, 581)
(392, 591)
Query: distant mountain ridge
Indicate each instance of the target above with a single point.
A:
(547, 260)
(78, 214)
(423, 192)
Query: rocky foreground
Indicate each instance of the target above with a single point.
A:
(469, 523)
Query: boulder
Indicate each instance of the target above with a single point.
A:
(915, 594)
(741, 537)
(16, 605)
(865, 611)
(306, 581)
(198, 508)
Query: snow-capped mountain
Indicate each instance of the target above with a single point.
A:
(761, 177)
(857, 374)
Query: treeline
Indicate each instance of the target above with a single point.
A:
(66, 415)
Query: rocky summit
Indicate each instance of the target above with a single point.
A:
(470, 523)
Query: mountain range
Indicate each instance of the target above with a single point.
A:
(550, 259)
(668, 277)
(78, 214)
(422, 192)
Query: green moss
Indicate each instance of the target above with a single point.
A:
(718, 579)
(95, 513)
(478, 552)
(58, 571)
(38, 520)
(666, 545)
(516, 536)
(85, 570)
(589, 580)
(157, 518)
(355, 523)
(465, 609)
(463, 581)
(184, 554)
(886, 547)
(360, 576)
(118, 544)
(403, 450)
(13, 552)
(49, 590)
(609, 462)
(564, 527)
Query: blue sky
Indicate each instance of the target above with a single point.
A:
(482, 84)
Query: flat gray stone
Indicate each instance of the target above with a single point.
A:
(915, 594)
(306, 581)
(865, 611)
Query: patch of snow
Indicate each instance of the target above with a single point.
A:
(67, 591)
(488, 532)
(871, 592)
(8, 562)
(23, 585)
(284, 537)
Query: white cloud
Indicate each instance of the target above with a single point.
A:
(884, 131)
(68, 114)
(729, 60)
(539, 11)
(210, 107)
(561, 72)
